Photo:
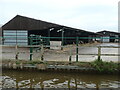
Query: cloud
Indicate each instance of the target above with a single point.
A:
(88, 14)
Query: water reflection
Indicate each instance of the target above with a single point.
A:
(37, 79)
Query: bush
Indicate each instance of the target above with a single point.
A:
(101, 66)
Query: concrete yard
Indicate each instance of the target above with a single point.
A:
(63, 55)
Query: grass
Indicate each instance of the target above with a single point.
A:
(82, 64)
(102, 66)
(98, 65)
(35, 62)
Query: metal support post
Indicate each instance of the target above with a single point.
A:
(62, 44)
(48, 37)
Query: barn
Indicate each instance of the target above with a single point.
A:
(0, 35)
(109, 36)
(22, 27)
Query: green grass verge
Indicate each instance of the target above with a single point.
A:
(102, 66)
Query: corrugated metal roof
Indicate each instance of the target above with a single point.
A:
(108, 32)
(25, 23)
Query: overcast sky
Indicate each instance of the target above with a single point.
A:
(91, 15)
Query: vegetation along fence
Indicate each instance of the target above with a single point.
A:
(43, 43)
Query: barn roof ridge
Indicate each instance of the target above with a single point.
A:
(48, 24)
(109, 31)
(37, 19)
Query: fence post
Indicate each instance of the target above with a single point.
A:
(48, 42)
(36, 40)
(77, 39)
(99, 53)
(62, 43)
(42, 52)
(70, 57)
(16, 52)
(31, 49)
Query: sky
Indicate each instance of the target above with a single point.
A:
(90, 15)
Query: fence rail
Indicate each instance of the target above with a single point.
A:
(99, 54)
(56, 46)
(45, 43)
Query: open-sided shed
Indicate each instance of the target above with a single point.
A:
(109, 36)
(22, 27)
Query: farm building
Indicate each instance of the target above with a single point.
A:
(109, 36)
(0, 32)
(0, 35)
(21, 27)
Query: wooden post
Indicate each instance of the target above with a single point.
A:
(77, 39)
(16, 52)
(99, 53)
(31, 49)
(14, 66)
(69, 84)
(70, 57)
(42, 52)
(9, 64)
(76, 84)
(21, 65)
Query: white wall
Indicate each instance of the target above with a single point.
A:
(13, 37)
(55, 43)
(106, 39)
